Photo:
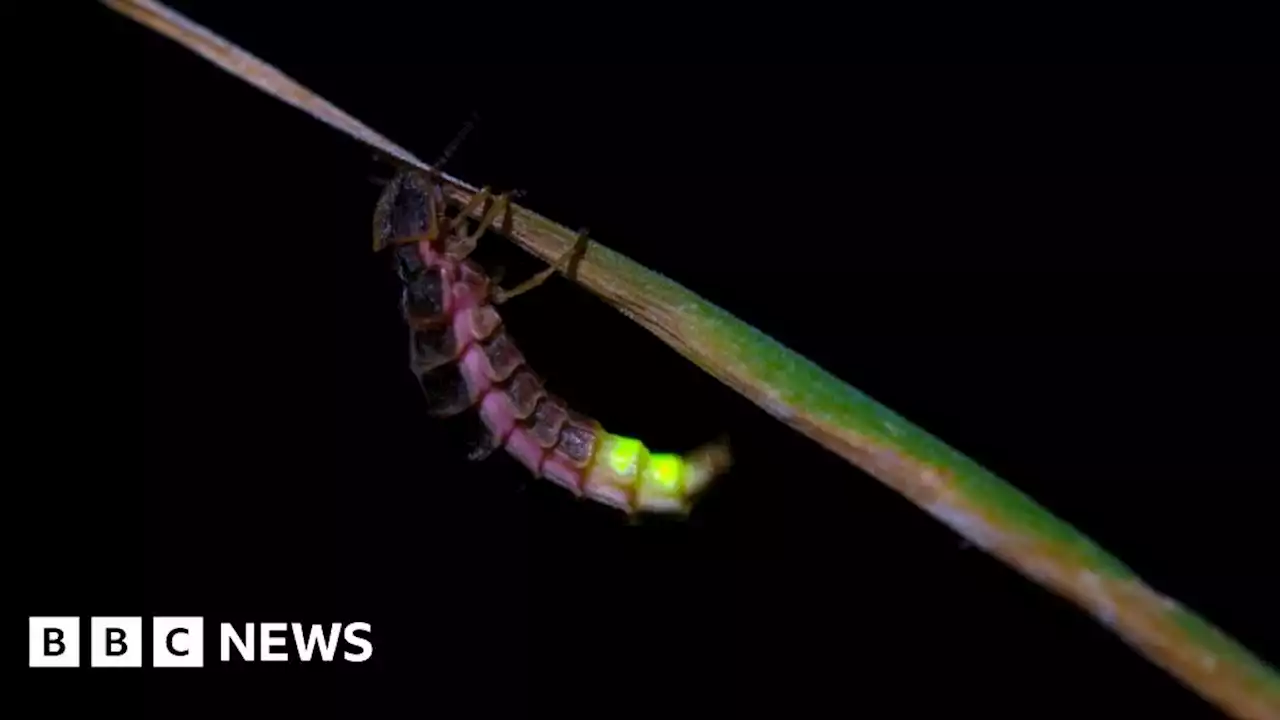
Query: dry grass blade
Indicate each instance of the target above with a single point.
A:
(259, 74)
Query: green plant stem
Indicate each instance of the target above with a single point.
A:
(981, 507)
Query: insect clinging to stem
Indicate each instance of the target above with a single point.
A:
(463, 357)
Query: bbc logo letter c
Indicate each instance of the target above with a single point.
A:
(177, 642)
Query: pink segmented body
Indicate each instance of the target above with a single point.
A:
(464, 359)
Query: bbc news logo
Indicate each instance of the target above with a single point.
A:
(179, 642)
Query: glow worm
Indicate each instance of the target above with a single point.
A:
(464, 359)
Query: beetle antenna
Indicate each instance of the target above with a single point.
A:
(452, 147)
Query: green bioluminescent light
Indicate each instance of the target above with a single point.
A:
(628, 457)
(622, 454)
(664, 471)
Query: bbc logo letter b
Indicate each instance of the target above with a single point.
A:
(53, 641)
(177, 642)
(115, 642)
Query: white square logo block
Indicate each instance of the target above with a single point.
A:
(53, 641)
(115, 642)
(177, 642)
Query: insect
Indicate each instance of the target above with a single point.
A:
(464, 359)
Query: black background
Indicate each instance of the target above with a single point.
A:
(1058, 270)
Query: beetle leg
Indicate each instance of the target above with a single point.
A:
(484, 196)
(567, 263)
(462, 244)
(483, 447)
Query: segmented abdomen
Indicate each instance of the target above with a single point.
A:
(464, 358)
